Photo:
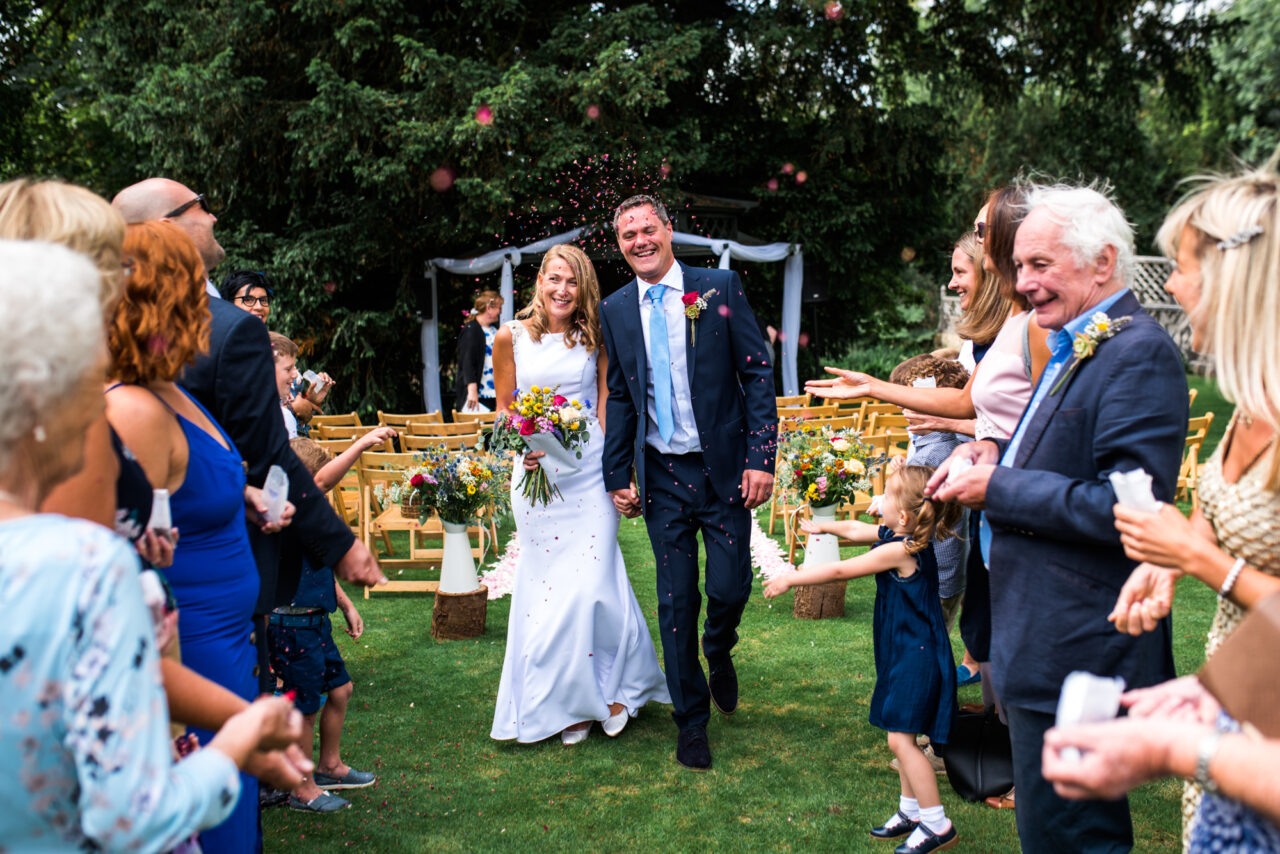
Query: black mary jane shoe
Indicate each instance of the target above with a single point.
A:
(931, 842)
(895, 828)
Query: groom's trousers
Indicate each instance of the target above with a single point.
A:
(678, 502)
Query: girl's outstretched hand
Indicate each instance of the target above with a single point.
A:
(778, 586)
(810, 527)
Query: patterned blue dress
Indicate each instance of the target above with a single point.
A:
(915, 672)
(84, 726)
(215, 583)
(1224, 826)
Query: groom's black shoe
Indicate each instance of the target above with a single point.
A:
(692, 749)
(722, 679)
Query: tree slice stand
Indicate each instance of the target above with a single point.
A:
(456, 616)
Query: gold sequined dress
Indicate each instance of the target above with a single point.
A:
(1245, 515)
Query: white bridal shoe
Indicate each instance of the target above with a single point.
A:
(614, 724)
(573, 736)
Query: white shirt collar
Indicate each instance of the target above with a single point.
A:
(674, 278)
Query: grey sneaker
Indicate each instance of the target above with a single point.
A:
(323, 802)
(353, 779)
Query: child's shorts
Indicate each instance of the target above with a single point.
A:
(305, 657)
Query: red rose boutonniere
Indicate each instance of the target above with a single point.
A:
(694, 303)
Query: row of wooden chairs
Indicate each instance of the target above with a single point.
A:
(478, 420)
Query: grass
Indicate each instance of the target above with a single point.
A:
(798, 768)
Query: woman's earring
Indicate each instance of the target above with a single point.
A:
(38, 433)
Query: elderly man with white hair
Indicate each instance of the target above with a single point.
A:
(1112, 398)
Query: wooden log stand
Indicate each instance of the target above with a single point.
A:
(456, 616)
(819, 601)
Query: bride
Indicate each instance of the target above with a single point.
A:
(578, 647)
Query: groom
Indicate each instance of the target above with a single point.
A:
(691, 408)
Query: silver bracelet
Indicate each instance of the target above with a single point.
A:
(1230, 580)
(1205, 751)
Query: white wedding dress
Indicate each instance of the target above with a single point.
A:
(576, 638)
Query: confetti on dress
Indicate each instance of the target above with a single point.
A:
(501, 575)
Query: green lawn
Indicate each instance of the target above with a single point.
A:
(798, 768)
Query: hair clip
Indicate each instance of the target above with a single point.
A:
(1240, 238)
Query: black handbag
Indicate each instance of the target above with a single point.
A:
(978, 756)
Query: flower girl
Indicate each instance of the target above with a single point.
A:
(915, 673)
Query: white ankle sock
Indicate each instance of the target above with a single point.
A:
(909, 807)
(934, 818)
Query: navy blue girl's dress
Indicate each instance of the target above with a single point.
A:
(915, 673)
(215, 583)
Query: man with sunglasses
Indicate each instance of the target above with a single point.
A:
(235, 381)
(163, 199)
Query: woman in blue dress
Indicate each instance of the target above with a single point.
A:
(915, 688)
(160, 325)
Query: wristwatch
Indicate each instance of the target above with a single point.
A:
(1205, 752)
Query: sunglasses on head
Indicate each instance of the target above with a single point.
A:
(981, 229)
(181, 209)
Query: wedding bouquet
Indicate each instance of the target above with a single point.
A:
(825, 466)
(542, 420)
(456, 484)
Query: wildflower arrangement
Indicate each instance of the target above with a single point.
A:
(1099, 328)
(455, 484)
(541, 420)
(824, 466)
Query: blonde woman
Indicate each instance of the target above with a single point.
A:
(578, 647)
(1225, 239)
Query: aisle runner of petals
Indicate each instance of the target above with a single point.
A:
(501, 576)
(769, 557)
(767, 554)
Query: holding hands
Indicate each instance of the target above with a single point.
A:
(626, 501)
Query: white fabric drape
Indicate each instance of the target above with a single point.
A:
(508, 258)
(792, 288)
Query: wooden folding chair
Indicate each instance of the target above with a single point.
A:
(344, 419)
(1191, 395)
(379, 518)
(438, 428)
(784, 401)
(1189, 470)
(398, 420)
(461, 442)
(328, 432)
(882, 422)
(485, 419)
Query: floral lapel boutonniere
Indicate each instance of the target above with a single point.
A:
(1099, 329)
(694, 303)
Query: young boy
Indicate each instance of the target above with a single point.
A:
(930, 449)
(286, 353)
(303, 654)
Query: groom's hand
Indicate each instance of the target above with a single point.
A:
(626, 501)
(757, 486)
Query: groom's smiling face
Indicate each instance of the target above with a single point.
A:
(645, 241)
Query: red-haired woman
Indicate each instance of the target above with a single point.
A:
(160, 325)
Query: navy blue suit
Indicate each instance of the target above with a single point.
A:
(731, 390)
(1057, 565)
(236, 382)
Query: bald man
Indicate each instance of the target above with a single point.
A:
(163, 199)
(235, 381)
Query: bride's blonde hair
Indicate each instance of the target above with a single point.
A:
(585, 323)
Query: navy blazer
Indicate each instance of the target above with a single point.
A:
(236, 382)
(730, 382)
(1057, 565)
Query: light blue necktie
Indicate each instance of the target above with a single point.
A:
(660, 357)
